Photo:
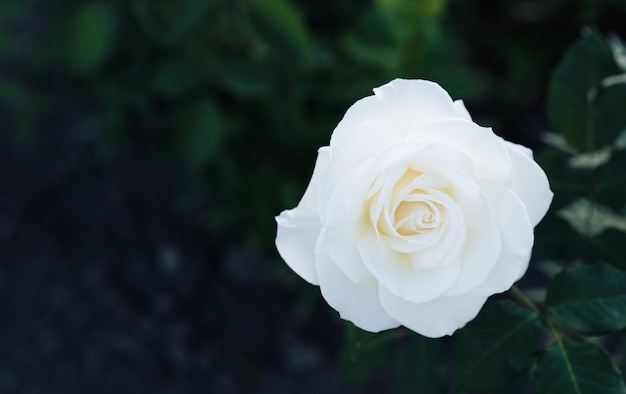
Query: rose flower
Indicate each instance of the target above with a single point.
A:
(414, 214)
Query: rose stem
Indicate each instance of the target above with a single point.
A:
(522, 298)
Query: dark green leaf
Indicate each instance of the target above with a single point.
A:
(608, 246)
(609, 113)
(363, 352)
(91, 36)
(590, 298)
(573, 84)
(419, 366)
(610, 182)
(497, 345)
(569, 367)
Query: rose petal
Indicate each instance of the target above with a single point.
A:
(459, 106)
(439, 237)
(450, 237)
(298, 228)
(440, 255)
(348, 174)
(509, 269)
(295, 240)
(481, 254)
(529, 182)
(407, 104)
(434, 319)
(395, 271)
(473, 141)
(308, 201)
(517, 241)
(364, 110)
(462, 188)
(515, 225)
(340, 245)
(356, 302)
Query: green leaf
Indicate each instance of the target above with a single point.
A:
(610, 182)
(280, 23)
(573, 85)
(590, 298)
(91, 35)
(363, 353)
(419, 364)
(496, 346)
(609, 113)
(569, 367)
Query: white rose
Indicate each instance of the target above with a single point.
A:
(414, 214)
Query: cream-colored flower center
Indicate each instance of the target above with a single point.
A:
(408, 206)
(416, 215)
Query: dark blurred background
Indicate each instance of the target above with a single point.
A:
(146, 145)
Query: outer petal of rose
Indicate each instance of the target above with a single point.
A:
(434, 319)
(346, 169)
(295, 240)
(366, 109)
(299, 228)
(407, 104)
(509, 270)
(529, 182)
(395, 272)
(517, 240)
(309, 199)
(482, 252)
(344, 203)
(356, 302)
(459, 106)
(474, 141)
(340, 244)
(515, 226)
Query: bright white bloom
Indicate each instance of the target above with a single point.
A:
(414, 215)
